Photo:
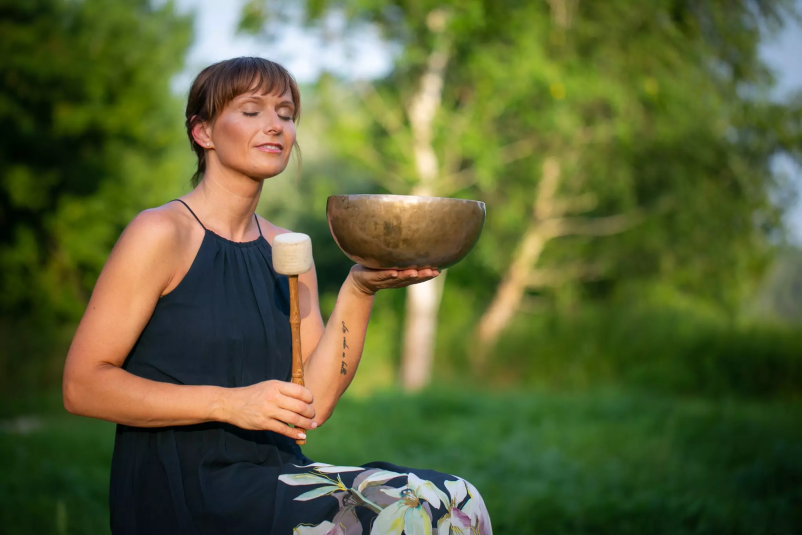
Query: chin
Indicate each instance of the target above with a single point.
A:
(263, 172)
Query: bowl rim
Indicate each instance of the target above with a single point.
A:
(391, 196)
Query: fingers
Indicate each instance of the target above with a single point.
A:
(289, 417)
(295, 405)
(411, 276)
(409, 273)
(286, 430)
(392, 278)
(295, 391)
(427, 273)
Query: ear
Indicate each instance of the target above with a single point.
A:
(202, 134)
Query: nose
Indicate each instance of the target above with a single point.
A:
(273, 124)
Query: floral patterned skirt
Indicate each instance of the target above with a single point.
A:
(378, 499)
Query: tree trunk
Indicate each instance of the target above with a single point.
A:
(548, 221)
(423, 299)
(508, 296)
(513, 284)
(420, 333)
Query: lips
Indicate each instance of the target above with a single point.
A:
(272, 148)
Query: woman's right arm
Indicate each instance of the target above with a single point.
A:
(140, 268)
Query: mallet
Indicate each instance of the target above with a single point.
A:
(292, 256)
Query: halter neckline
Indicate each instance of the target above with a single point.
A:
(213, 233)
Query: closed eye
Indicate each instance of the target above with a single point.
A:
(251, 114)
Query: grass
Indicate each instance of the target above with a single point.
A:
(595, 462)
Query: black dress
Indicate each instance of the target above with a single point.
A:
(227, 324)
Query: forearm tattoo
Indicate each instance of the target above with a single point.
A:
(343, 366)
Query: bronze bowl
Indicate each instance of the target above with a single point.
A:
(404, 231)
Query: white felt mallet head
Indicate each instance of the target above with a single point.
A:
(292, 253)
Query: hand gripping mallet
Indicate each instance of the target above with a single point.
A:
(292, 256)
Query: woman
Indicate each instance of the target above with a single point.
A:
(185, 344)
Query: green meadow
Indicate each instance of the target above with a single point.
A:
(596, 462)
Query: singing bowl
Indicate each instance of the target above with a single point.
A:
(404, 231)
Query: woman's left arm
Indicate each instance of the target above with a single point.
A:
(332, 354)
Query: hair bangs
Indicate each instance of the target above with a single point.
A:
(248, 75)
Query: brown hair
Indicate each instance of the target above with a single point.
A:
(220, 83)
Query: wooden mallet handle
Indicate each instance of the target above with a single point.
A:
(292, 256)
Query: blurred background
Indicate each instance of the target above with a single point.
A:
(622, 350)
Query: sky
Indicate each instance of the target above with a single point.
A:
(306, 53)
(303, 52)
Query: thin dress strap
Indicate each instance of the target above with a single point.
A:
(258, 226)
(191, 212)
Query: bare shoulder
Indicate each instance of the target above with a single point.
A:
(157, 230)
(155, 245)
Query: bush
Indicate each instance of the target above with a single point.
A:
(666, 347)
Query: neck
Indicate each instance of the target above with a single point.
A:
(225, 201)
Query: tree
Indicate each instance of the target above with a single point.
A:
(644, 122)
(664, 107)
(91, 134)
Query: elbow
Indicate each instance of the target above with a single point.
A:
(79, 391)
(322, 416)
(70, 395)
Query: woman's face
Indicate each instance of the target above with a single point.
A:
(254, 134)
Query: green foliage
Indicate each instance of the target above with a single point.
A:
(659, 109)
(652, 339)
(552, 464)
(91, 136)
